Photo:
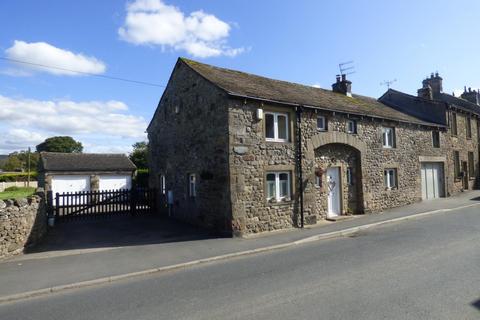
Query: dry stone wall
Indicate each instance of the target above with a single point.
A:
(23, 223)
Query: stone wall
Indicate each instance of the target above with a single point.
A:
(23, 223)
(189, 135)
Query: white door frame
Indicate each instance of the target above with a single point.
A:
(334, 192)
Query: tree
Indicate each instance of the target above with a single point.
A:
(139, 154)
(18, 160)
(60, 144)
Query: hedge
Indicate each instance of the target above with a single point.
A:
(17, 176)
(141, 179)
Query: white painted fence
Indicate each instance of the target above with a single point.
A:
(4, 185)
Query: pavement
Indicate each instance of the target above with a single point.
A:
(69, 259)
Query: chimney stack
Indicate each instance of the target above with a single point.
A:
(342, 85)
(435, 82)
(471, 95)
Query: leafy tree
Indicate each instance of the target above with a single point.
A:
(19, 161)
(12, 163)
(60, 144)
(139, 154)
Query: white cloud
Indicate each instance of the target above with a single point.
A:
(152, 22)
(43, 53)
(27, 122)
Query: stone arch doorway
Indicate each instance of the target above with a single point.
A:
(338, 175)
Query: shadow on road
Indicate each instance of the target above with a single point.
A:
(118, 231)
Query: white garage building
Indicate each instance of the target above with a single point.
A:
(74, 172)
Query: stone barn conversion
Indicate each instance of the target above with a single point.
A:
(75, 172)
(244, 154)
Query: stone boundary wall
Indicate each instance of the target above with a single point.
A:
(23, 223)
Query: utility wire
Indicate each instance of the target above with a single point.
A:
(85, 73)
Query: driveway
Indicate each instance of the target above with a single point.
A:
(117, 231)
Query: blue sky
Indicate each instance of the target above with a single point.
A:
(299, 41)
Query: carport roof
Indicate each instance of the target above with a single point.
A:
(53, 161)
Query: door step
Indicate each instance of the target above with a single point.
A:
(340, 218)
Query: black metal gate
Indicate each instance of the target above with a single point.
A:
(78, 205)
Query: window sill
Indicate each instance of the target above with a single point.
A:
(277, 142)
(321, 130)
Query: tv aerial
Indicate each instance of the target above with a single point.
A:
(388, 83)
(346, 68)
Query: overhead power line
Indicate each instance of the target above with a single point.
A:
(85, 73)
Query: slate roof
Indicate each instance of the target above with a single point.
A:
(237, 83)
(427, 110)
(53, 161)
(459, 103)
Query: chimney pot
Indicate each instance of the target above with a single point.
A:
(344, 77)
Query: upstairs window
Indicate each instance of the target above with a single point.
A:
(453, 124)
(468, 125)
(276, 127)
(388, 137)
(192, 185)
(278, 186)
(390, 178)
(436, 139)
(351, 126)
(322, 123)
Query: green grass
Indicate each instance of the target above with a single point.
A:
(22, 192)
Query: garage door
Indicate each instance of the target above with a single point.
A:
(63, 184)
(432, 180)
(115, 182)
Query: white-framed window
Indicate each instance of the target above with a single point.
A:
(278, 185)
(192, 185)
(322, 123)
(350, 176)
(388, 137)
(351, 126)
(390, 178)
(276, 126)
(162, 184)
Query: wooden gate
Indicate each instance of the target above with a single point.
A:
(78, 205)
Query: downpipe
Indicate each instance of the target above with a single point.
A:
(299, 159)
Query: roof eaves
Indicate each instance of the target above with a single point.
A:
(429, 124)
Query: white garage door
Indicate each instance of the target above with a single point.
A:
(63, 184)
(115, 182)
(432, 180)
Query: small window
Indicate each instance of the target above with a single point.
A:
(350, 176)
(468, 124)
(453, 124)
(436, 139)
(388, 137)
(351, 126)
(278, 186)
(390, 178)
(162, 184)
(192, 185)
(318, 181)
(322, 123)
(471, 165)
(456, 163)
(276, 127)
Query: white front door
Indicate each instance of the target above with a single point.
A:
(432, 180)
(334, 194)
